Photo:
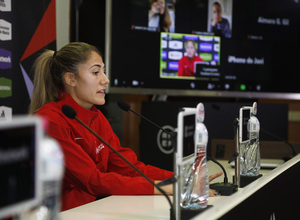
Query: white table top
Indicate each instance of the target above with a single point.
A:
(121, 207)
(152, 207)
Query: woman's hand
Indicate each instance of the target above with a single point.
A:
(214, 176)
(212, 192)
(154, 9)
(169, 188)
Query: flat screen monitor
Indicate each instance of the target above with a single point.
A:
(175, 57)
(20, 188)
(251, 52)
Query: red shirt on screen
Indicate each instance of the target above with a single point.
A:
(186, 66)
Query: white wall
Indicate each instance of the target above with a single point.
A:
(62, 23)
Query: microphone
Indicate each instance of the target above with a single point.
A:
(71, 113)
(218, 108)
(125, 107)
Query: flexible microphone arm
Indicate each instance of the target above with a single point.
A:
(125, 107)
(70, 113)
(220, 165)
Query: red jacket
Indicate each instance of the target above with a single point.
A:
(186, 66)
(91, 169)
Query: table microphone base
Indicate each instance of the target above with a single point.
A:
(225, 189)
(245, 180)
(190, 213)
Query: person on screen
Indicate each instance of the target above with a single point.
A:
(219, 25)
(186, 65)
(75, 76)
(159, 16)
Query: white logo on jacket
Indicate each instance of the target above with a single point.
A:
(99, 148)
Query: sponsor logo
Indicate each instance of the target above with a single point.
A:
(216, 47)
(5, 30)
(5, 113)
(5, 87)
(163, 54)
(163, 65)
(175, 44)
(164, 140)
(206, 56)
(5, 59)
(174, 55)
(163, 44)
(205, 47)
(173, 65)
(190, 37)
(5, 5)
(206, 38)
(99, 148)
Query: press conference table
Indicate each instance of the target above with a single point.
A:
(157, 206)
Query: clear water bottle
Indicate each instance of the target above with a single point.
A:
(51, 177)
(195, 191)
(250, 151)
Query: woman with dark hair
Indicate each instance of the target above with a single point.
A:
(219, 25)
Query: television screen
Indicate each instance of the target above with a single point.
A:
(242, 49)
(184, 56)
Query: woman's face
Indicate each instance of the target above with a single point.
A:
(90, 85)
(217, 12)
(190, 49)
(161, 6)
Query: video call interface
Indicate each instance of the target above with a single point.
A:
(205, 44)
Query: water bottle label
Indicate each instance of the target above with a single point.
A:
(201, 133)
(254, 125)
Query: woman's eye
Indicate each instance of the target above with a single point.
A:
(95, 73)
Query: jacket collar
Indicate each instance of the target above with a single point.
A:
(83, 114)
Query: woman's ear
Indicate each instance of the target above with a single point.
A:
(69, 79)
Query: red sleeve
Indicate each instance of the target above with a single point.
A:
(116, 164)
(180, 67)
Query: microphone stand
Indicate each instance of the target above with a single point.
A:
(237, 153)
(172, 217)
